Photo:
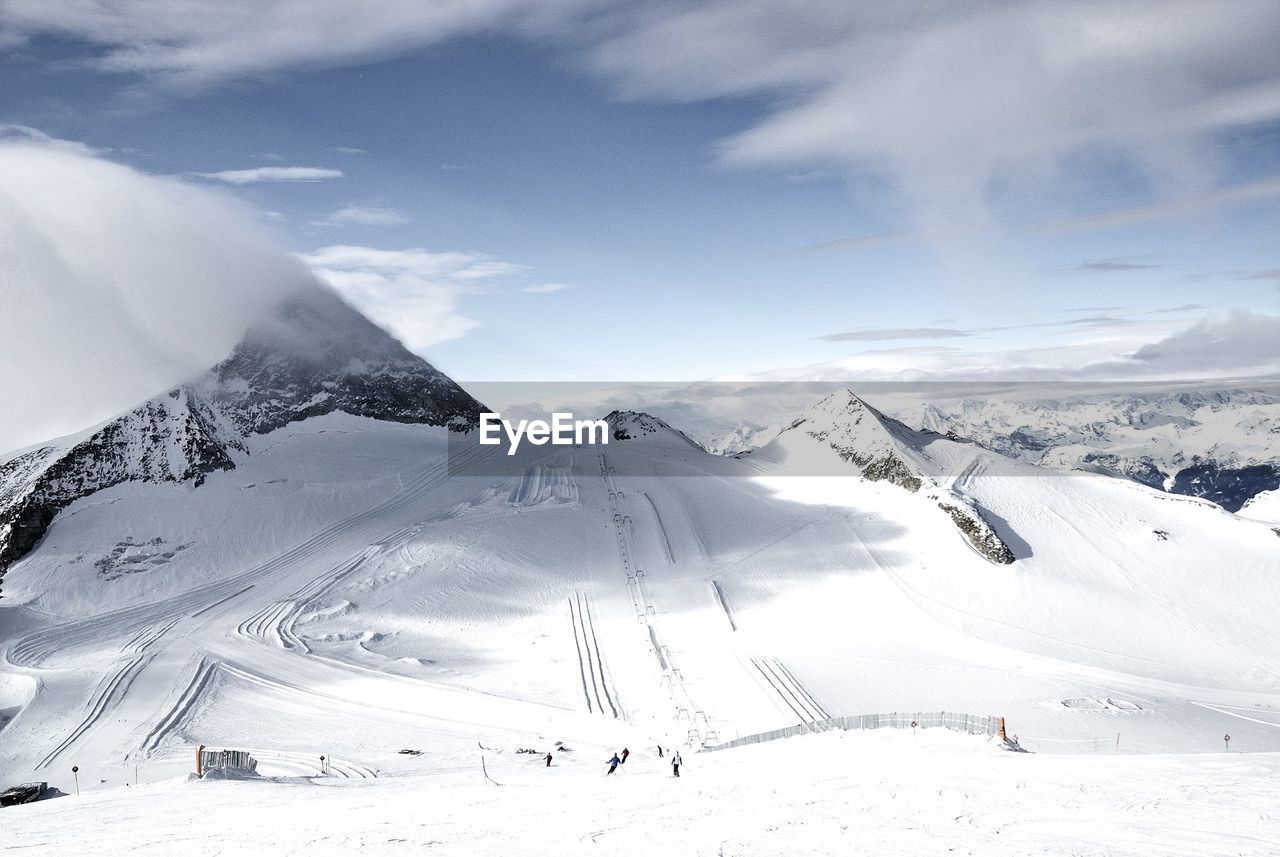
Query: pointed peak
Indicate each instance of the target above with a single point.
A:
(865, 438)
(630, 425)
(843, 409)
(634, 424)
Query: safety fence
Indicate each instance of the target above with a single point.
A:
(225, 760)
(974, 724)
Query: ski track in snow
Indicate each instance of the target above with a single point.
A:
(789, 691)
(108, 694)
(150, 623)
(590, 661)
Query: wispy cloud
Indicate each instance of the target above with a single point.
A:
(363, 215)
(1176, 208)
(868, 241)
(349, 150)
(1238, 345)
(1119, 264)
(11, 133)
(546, 288)
(881, 334)
(414, 293)
(272, 174)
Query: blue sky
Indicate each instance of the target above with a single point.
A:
(700, 189)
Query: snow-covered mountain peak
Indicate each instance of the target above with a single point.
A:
(882, 449)
(636, 425)
(313, 356)
(318, 355)
(862, 436)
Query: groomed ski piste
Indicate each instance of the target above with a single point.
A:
(351, 591)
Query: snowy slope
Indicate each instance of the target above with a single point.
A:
(357, 586)
(1263, 507)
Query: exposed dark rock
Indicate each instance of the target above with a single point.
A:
(1142, 470)
(981, 535)
(1229, 487)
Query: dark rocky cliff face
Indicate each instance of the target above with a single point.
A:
(318, 356)
(315, 356)
(1229, 487)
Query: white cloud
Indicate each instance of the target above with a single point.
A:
(349, 150)
(272, 174)
(546, 288)
(938, 96)
(364, 215)
(120, 285)
(1240, 342)
(1238, 345)
(943, 97)
(878, 334)
(413, 293)
(10, 134)
(196, 43)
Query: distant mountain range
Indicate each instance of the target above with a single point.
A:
(1222, 445)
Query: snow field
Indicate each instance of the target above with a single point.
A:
(885, 792)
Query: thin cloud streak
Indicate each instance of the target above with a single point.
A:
(271, 174)
(1182, 208)
(890, 333)
(363, 215)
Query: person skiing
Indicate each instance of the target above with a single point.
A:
(659, 751)
(625, 754)
(614, 762)
(548, 760)
(675, 764)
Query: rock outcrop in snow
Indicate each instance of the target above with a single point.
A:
(978, 530)
(316, 355)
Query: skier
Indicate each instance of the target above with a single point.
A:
(625, 754)
(659, 751)
(614, 762)
(675, 764)
(548, 760)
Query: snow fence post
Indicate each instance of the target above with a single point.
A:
(200, 761)
(1003, 735)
